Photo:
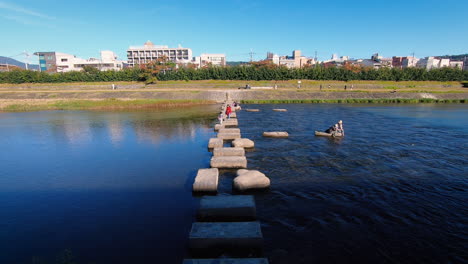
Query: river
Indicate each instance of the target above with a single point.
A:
(115, 187)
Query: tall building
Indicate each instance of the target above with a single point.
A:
(150, 52)
(209, 59)
(63, 62)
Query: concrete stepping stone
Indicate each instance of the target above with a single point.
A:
(227, 207)
(215, 143)
(228, 152)
(250, 179)
(227, 261)
(229, 136)
(229, 130)
(233, 115)
(230, 123)
(204, 235)
(276, 134)
(252, 110)
(231, 162)
(218, 127)
(280, 110)
(243, 143)
(206, 180)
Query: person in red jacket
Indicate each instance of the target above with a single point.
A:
(228, 111)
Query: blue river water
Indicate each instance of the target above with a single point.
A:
(115, 187)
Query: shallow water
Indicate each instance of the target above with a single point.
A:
(115, 187)
(394, 190)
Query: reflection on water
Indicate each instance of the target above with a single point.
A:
(394, 190)
(112, 187)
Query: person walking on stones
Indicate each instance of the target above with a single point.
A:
(220, 118)
(228, 111)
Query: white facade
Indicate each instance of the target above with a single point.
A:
(67, 62)
(150, 52)
(207, 59)
(434, 63)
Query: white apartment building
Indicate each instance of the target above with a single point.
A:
(209, 59)
(434, 63)
(63, 62)
(150, 52)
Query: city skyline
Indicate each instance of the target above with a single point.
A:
(234, 27)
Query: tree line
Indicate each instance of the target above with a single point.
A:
(154, 73)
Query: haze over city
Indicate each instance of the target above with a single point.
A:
(353, 28)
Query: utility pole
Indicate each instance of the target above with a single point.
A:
(251, 53)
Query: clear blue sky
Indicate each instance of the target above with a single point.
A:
(354, 28)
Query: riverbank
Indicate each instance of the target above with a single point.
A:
(327, 85)
(95, 96)
(105, 104)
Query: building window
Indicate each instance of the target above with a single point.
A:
(64, 60)
(49, 57)
(41, 57)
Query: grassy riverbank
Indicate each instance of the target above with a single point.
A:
(106, 104)
(358, 101)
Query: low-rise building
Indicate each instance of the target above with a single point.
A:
(206, 59)
(149, 52)
(63, 62)
(294, 61)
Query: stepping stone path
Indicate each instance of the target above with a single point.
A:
(280, 110)
(276, 134)
(231, 218)
(252, 110)
(206, 180)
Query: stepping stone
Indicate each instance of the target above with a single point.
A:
(243, 143)
(218, 127)
(215, 143)
(227, 207)
(227, 261)
(233, 162)
(228, 152)
(229, 130)
(252, 110)
(233, 115)
(250, 179)
(280, 110)
(276, 134)
(229, 136)
(206, 180)
(204, 235)
(230, 123)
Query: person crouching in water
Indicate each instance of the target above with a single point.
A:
(220, 118)
(228, 111)
(340, 128)
(331, 129)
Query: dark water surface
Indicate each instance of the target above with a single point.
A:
(115, 187)
(394, 190)
(111, 187)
